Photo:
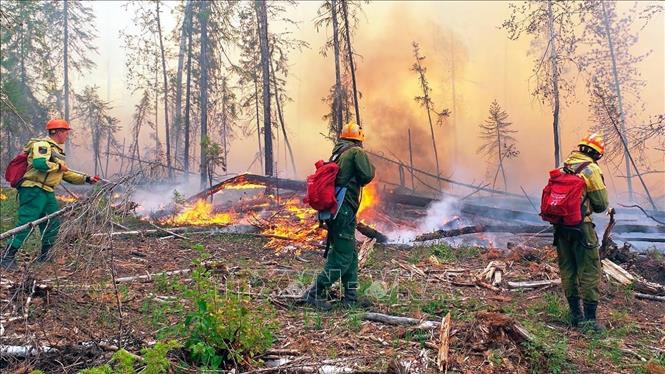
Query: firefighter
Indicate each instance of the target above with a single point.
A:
(46, 169)
(577, 247)
(355, 171)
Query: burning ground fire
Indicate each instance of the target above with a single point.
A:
(279, 219)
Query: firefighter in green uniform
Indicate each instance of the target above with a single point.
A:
(355, 171)
(46, 169)
(577, 247)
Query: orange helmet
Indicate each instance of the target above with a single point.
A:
(594, 141)
(351, 131)
(57, 123)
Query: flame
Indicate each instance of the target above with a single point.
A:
(66, 199)
(294, 221)
(201, 213)
(370, 199)
(244, 186)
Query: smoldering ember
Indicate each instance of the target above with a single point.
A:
(332, 186)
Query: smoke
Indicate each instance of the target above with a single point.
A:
(439, 215)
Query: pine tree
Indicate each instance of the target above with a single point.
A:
(497, 140)
(94, 113)
(426, 101)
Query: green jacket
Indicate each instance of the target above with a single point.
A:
(44, 159)
(596, 192)
(355, 171)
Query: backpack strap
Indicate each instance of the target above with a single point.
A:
(567, 168)
(335, 156)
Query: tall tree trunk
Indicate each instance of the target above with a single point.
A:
(349, 49)
(281, 118)
(108, 151)
(158, 147)
(555, 85)
(262, 17)
(203, 63)
(617, 88)
(166, 94)
(177, 124)
(453, 129)
(431, 129)
(225, 129)
(258, 118)
(185, 156)
(337, 100)
(65, 59)
(503, 172)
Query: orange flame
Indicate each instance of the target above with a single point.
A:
(201, 213)
(66, 199)
(370, 199)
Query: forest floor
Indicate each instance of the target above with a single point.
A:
(73, 306)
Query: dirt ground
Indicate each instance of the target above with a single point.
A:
(81, 305)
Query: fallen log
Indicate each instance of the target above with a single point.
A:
(272, 182)
(401, 321)
(644, 296)
(22, 351)
(513, 229)
(534, 284)
(371, 233)
(36, 222)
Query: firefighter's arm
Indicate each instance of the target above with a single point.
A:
(364, 168)
(41, 156)
(74, 177)
(596, 189)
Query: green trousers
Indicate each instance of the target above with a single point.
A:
(579, 261)
(35, 203)
(342, 259)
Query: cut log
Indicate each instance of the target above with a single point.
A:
(444, 339)
(371, 233)
(534, 284)
(401, 321)
(617, 273)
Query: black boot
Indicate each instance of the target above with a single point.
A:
(44, 254)
(316, 298)
(575, 311)
(8, 261)
(590, 322)
(350, 300)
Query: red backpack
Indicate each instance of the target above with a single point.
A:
(321, 184)
(561, 202)
(16, 169)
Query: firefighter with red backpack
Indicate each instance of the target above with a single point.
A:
(355, 171)
(573, 193)
(35, 173)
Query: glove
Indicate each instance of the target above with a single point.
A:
(64, 168)
(92, 180)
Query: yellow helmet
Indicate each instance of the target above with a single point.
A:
(594, 141)
(351, 131)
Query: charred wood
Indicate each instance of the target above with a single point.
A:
(371, 233)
